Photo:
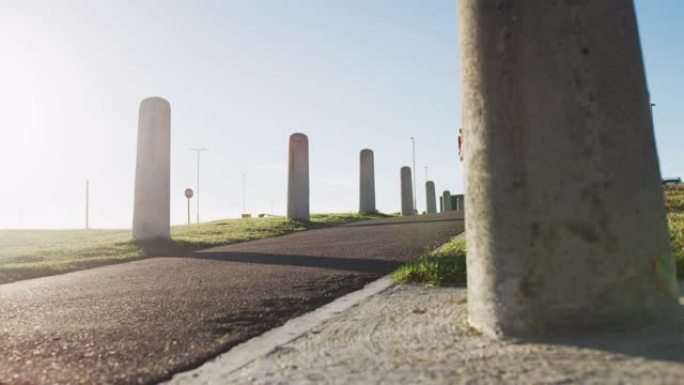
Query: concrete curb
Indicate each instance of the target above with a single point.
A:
(213, 371)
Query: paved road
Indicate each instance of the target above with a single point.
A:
(142, 321)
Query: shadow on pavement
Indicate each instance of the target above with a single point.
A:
(381, 222)
(662, 344)
(361, 265)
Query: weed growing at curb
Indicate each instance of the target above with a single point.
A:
(444, 266)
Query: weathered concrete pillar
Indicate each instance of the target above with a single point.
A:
(298, 178)
(459, 202)
(441, 204)
(566, 227)
(406, 192)
(367, 183)
(152, 203)
(446, 201)
(430, 200)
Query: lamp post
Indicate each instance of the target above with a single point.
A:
(244, 199)
(87, 205)
(413, 147)
(198, 151)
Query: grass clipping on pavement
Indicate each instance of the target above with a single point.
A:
(37, 253)
(446, 266)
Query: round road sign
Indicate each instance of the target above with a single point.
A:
(188, 193)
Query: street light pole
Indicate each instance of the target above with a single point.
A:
(244, 205)
(413, 146)
(87, 205)
(198, 151)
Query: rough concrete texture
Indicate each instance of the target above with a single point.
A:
(298, 178)
(430, 200)
(151, 211)
(568, 228)
(446, 201)
(367, 182)
(417, 335)
(406, 192)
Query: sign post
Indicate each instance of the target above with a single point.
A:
(188, 194)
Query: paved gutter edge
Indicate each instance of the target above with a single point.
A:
(248, 351)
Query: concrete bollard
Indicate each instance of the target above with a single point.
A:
(406, 192)
(430, 200)
(446, 201)
(459, 202)
(367, 183)
(566, 227)
(151, 210)
(298, 178)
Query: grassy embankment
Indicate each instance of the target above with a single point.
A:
(36, 253)
(674, 203)
(446, 266)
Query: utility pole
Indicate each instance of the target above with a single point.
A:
(244, 199)
(413, 146)
(87, 205)
(198, 151)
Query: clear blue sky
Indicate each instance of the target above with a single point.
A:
(241, 76)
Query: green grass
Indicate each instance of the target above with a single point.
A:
(444, 266)
(35, 253)
(674, 202)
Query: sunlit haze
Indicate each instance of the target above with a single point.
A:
(241, 76)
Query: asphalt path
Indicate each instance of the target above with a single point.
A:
(143, 321)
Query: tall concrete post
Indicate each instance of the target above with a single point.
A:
(367, 183)
(446, 201)
(566, 227)
(152, 204)
(298, 178)
(459, 203)
(406, 192)
(430, 200)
